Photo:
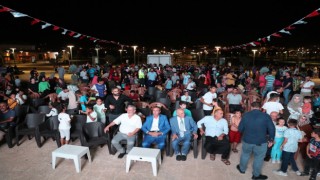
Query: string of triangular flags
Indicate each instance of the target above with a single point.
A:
(65, 31)
(287, 30)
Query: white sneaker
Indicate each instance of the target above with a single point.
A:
(273, 161)
(298, 173)
(280, 173)
(318, 174)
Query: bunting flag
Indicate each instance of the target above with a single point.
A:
(64, 31)
(290, 28)
(55, 28)
(17, 14)
(35, 21)
(71, 33)
(264, 39)
(313, 14)
(268, 38)
(4, 9)
(284, 31)
(78, 35)
(276, 35)
(300, 22)
(252, 44)
(45, 25)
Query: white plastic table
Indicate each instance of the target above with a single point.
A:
(71, 152)
(144, 154)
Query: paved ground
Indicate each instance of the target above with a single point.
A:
(27, 161)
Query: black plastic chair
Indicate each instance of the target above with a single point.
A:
(166, 101)
(93, 135)
(72, 111)
(20, 111)
(48, 129)
(197, 114)
(77, 122)
(44, 109)
(28, 127)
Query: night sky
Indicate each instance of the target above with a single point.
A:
(162, 23)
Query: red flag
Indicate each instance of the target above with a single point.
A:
(71, 33)
(35, 21)
(83, 36)
(5, 9)
(290, 28)
(313, 14)
(92, 39)
(257, 43)
(55, 28)
(276, 35)
(264, 39)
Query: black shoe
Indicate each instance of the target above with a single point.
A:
(183, 158)
(267, 158)
(304, 174)
(260, 177)
(238, 167)
(178, 157)
(121, 155)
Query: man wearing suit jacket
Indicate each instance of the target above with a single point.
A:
(155, 128)
(182, 129)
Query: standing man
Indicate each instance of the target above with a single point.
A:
(182, 129)
(130, 124)
(207, 100)
(255, 126)
(61, 72)
(155, 128)
(306, 86)
(115, 102)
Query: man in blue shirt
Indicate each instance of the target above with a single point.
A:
(255, 126)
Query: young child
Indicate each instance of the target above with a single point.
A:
(64, 125)
(307, 106)
(100, 109)
(91, 114)
(53, 111)
(313, 153)
(234, 134)
(289, 147)
(276, 151)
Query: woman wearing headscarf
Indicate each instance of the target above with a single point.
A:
(294, 106)
(305, 127)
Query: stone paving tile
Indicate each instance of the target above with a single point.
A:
(27, 161)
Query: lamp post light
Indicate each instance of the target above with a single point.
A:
(217, 48)
(134, 54)
(14, 59)
(70, 46)
(120, 50)
(254, 55)
(97, 50)
(154, 51)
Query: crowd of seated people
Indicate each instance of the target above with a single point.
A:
(110, 94)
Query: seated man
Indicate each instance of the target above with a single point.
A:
(155, 128)
(216, 132)
(183, 105)
(6, 118)
(130, 124)
(235, 101)
(182, 129)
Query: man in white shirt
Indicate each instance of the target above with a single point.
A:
(63, 95)
(21, 97)
(207, 99)
(130, 124)
(306, 86)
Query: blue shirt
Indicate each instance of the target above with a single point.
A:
(214, 127)
(255, 126)
(293, 135)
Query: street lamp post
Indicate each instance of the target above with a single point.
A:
(217, 48)
(134, 54)
(120, 50)
(70, 46)
(14, 59)
(154, 51)
(97, 50)
(254, 55)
